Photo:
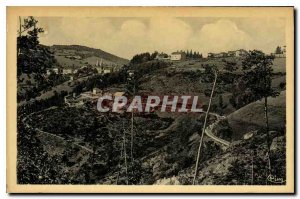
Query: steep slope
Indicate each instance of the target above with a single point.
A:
(69, 55)
(234, 166)
(251, 117)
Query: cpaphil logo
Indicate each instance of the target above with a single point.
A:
(146, 104)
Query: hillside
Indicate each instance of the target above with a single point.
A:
(192, 65)
(69, 55)
(231, 166)
(90, 148)
(251, 116)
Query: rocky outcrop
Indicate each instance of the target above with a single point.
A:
(278, 143)
(168, 181)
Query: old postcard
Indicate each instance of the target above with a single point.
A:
(150, 99)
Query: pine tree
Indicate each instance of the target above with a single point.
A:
(278, 50)
(258, 78)
(195, 55)
(32, 57)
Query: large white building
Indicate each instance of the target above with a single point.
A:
(176, 56)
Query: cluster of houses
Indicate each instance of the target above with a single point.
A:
(280, 52)
(104, 70)
(180, 55)
(70, 71)
(234, 53)
(94, 94)
(64, 71)
(74, 100)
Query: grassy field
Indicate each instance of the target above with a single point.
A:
(278, 64)
(69, 55)
(77, 63)
(251, 117)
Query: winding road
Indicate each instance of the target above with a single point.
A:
(208, 130)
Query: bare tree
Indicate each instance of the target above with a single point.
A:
(125, 154)
(132, 87)
(132, 137)
(252, 168)
(203, 129)
(132, 131)
(119, 165)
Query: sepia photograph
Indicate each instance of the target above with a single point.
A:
(150, 100)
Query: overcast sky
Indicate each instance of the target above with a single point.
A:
(126, 37)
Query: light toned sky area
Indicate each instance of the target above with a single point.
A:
(126, 37)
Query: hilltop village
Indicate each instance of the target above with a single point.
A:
(179, 61)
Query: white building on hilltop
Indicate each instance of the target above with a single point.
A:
(240, 53)
(176, 56)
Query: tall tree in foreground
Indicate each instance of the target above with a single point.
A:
(132, 88)
(31, 56)
(125, 154)
(258, 78)
(204, 126)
